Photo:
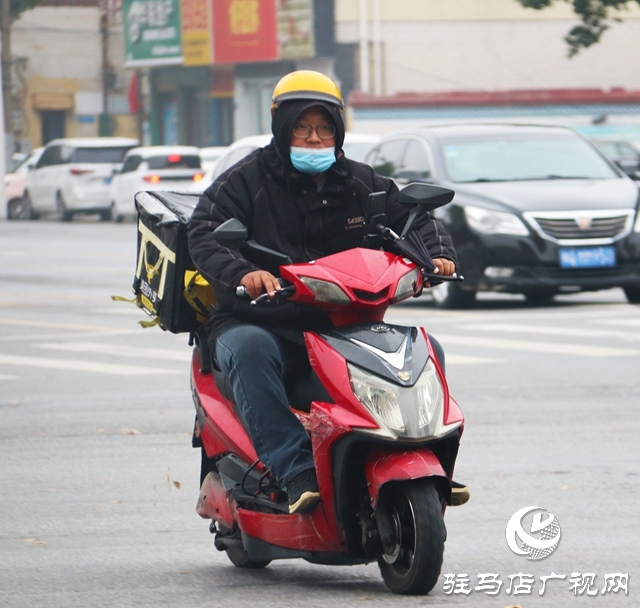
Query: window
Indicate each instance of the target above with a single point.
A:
(174, 161)
(388, 156)
(416, 161)
(503, 158)
(51, 156)
(110, 154)
(131, 163)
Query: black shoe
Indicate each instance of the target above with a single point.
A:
(304, 495)
(460, 494)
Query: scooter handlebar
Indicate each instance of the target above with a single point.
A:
(286, 291)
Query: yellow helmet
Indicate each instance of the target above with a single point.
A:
(306, 84)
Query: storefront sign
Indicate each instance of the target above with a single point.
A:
(152, 32)
(295, 29)
(196, 32)
(245, 30)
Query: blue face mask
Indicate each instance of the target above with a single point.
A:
(312, 160)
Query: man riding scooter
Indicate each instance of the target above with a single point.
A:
(300, 196)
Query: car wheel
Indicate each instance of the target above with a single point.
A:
(451, 295)
(62, 213)
(31, 214)
(540, 296)
(18, 209)
(114, 216)
(633, 294)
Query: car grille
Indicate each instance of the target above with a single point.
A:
(583, 227)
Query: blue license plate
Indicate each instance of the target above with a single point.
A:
(107, 180)
(588, 257)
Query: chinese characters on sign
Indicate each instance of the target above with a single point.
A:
(523, 584)
(152, 32)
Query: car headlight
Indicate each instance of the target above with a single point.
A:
(324, 291)
(405, 411)
(408, 285)
(494, 222)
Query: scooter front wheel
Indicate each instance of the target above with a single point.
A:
(413, 537)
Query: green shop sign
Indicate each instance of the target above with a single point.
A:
(152, 32)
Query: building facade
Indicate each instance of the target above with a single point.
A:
(68, 72)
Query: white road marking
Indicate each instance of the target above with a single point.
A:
(135, 352)
(468, 360)
(7, 377)
(85, 366)
(628, 322)
(579, 350)
(548, 330)
(89, 334)
(50, 325)
(130, 310)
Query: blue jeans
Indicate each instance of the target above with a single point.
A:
(256, 362)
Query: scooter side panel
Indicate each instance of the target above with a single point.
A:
(384, 466)
(304, 532)
(219, 415)
(331, 368)
(213, 502)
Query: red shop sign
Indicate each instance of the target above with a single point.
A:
(245, 30)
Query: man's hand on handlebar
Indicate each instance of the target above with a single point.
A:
(258, 281)
(445, 268)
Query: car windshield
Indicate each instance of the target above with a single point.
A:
(110, 154)
(174, 161)
(503, 158)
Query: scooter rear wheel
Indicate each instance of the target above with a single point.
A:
(240, 558)
(412, 561)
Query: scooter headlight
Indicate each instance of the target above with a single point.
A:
(405, 411)
(324, 291)
(407, 285)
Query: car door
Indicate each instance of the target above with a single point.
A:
(416, 165)
(386, 158)
(42, 177)
(127, 182)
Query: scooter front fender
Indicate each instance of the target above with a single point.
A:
(384, 466)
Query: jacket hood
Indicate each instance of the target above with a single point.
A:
(285, 116)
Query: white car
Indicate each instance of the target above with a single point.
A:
(153, 168)
(209, 156)
(355, 147)
(14, 183)
(74, 176)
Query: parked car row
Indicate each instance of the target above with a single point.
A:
(102, 175)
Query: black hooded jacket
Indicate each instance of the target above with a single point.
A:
(286, 210)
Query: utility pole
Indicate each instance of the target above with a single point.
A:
(364, 48)
(104, 124)
(7, 88)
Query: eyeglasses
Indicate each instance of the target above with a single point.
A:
(323, 131)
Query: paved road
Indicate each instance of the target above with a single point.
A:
(98, 482)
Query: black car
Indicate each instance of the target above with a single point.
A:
(622, 153)
(538, 210)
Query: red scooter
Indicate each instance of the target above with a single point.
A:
(383, 427)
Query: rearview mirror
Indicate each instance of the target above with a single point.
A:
(428, 196)
(231, 233)
(423, 197)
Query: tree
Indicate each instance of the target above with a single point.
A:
(19, 6)
(595, 15)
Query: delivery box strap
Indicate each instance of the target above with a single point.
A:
(152, 271)
(136, 301)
